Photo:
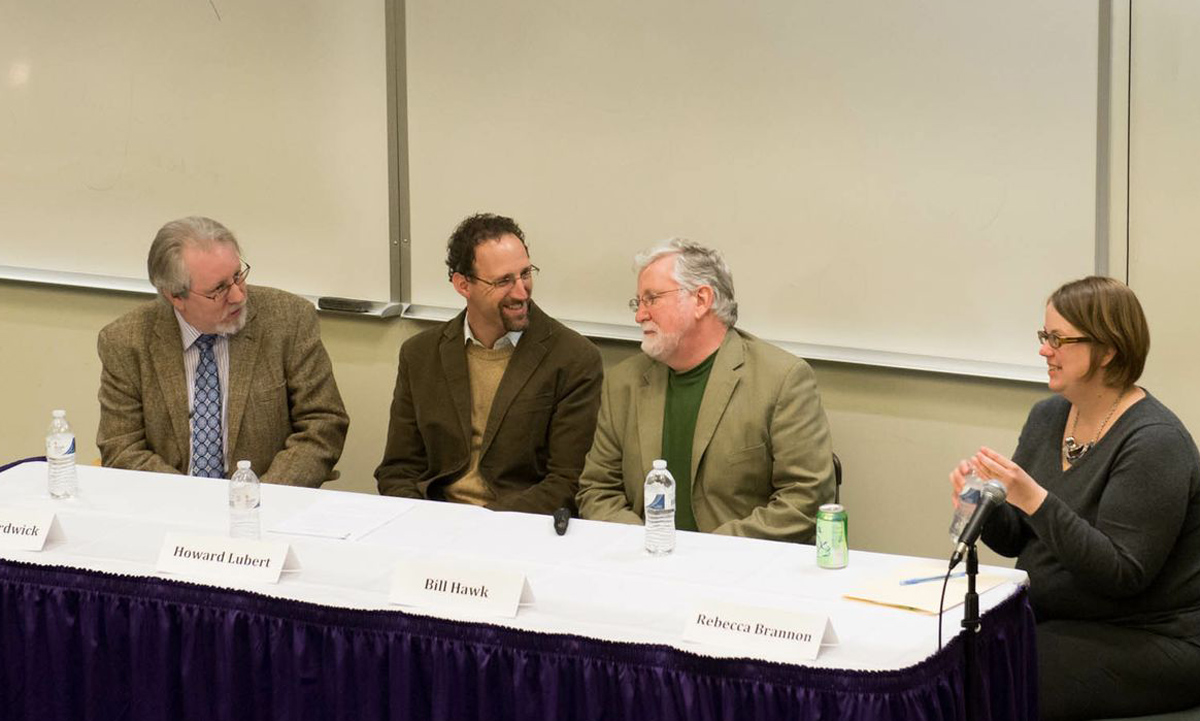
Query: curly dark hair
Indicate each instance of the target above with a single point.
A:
(460, 251)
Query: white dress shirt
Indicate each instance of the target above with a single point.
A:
(510, 338)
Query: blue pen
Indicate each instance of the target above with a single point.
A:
(926, 579)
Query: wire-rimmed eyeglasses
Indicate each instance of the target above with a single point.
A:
(506, 283)
(221, 292)
(648, 299)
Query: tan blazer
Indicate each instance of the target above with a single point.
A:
(284, 412)
(762, 460)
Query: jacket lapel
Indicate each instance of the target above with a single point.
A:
(525, 359)
(167, 357)
(723, 379)
(651, 404)
(243, 355)
(454, 367)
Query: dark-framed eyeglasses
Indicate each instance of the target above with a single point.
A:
(506, 283)
(221, 292)
(648, 299)
(1056, 341)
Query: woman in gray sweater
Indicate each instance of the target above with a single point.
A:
(1104, 514)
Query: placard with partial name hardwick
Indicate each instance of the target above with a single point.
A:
(24, 529)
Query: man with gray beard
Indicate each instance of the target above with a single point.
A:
(738, 420)
(215, 371)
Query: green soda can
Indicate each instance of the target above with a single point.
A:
(833, 528)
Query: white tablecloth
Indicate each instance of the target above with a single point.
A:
(595, 581)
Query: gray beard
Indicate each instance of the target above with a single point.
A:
(661, 346)
(233, 327)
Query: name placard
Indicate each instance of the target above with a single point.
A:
(457, 585)
(759, 631)
(28, 530)
(231, 559)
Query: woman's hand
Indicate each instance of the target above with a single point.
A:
(1023, 491)
(958, 479)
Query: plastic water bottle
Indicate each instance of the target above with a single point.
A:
(244, 495)
(968, 500)
(62, 480)
(660, 510)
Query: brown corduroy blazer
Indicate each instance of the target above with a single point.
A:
(537, 434)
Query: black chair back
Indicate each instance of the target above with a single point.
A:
(837, 479)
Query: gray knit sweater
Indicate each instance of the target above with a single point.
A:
(1118, 537)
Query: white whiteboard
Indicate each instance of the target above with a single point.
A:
(905, 178)
(268, 115)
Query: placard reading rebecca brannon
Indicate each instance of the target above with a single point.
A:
(769, 632)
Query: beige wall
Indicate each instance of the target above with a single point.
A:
(1164, 208)
(897, 432)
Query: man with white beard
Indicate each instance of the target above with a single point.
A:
(214, 371)
(738, 420)
(497, 406)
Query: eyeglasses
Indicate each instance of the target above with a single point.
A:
(649, 299)
(506, 283)
(1057, 341)
(221, 292)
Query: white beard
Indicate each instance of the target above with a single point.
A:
(660, 346)
(235, 325)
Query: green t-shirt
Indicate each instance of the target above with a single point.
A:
(685, 391)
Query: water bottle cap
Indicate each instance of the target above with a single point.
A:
(243, 465)
(58, 413)
(660, 465)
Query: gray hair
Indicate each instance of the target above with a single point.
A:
(697, 266)
(165, 262)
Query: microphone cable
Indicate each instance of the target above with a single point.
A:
(942, 606)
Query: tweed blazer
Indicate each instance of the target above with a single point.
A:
(284, 412)
(762, 460)
(538, 430)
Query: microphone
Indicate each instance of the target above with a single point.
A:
(561, 517)
(992, 496)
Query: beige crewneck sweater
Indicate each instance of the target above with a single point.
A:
(485, 368)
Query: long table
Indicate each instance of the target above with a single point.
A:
(88, 629)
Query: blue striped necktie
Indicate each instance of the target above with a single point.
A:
(208, 453)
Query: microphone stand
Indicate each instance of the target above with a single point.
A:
(971, 623)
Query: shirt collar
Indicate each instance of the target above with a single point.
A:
(188, 331)
(510, 338)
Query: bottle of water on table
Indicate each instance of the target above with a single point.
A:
(244, 495)
(60, 457)
(660, 510)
